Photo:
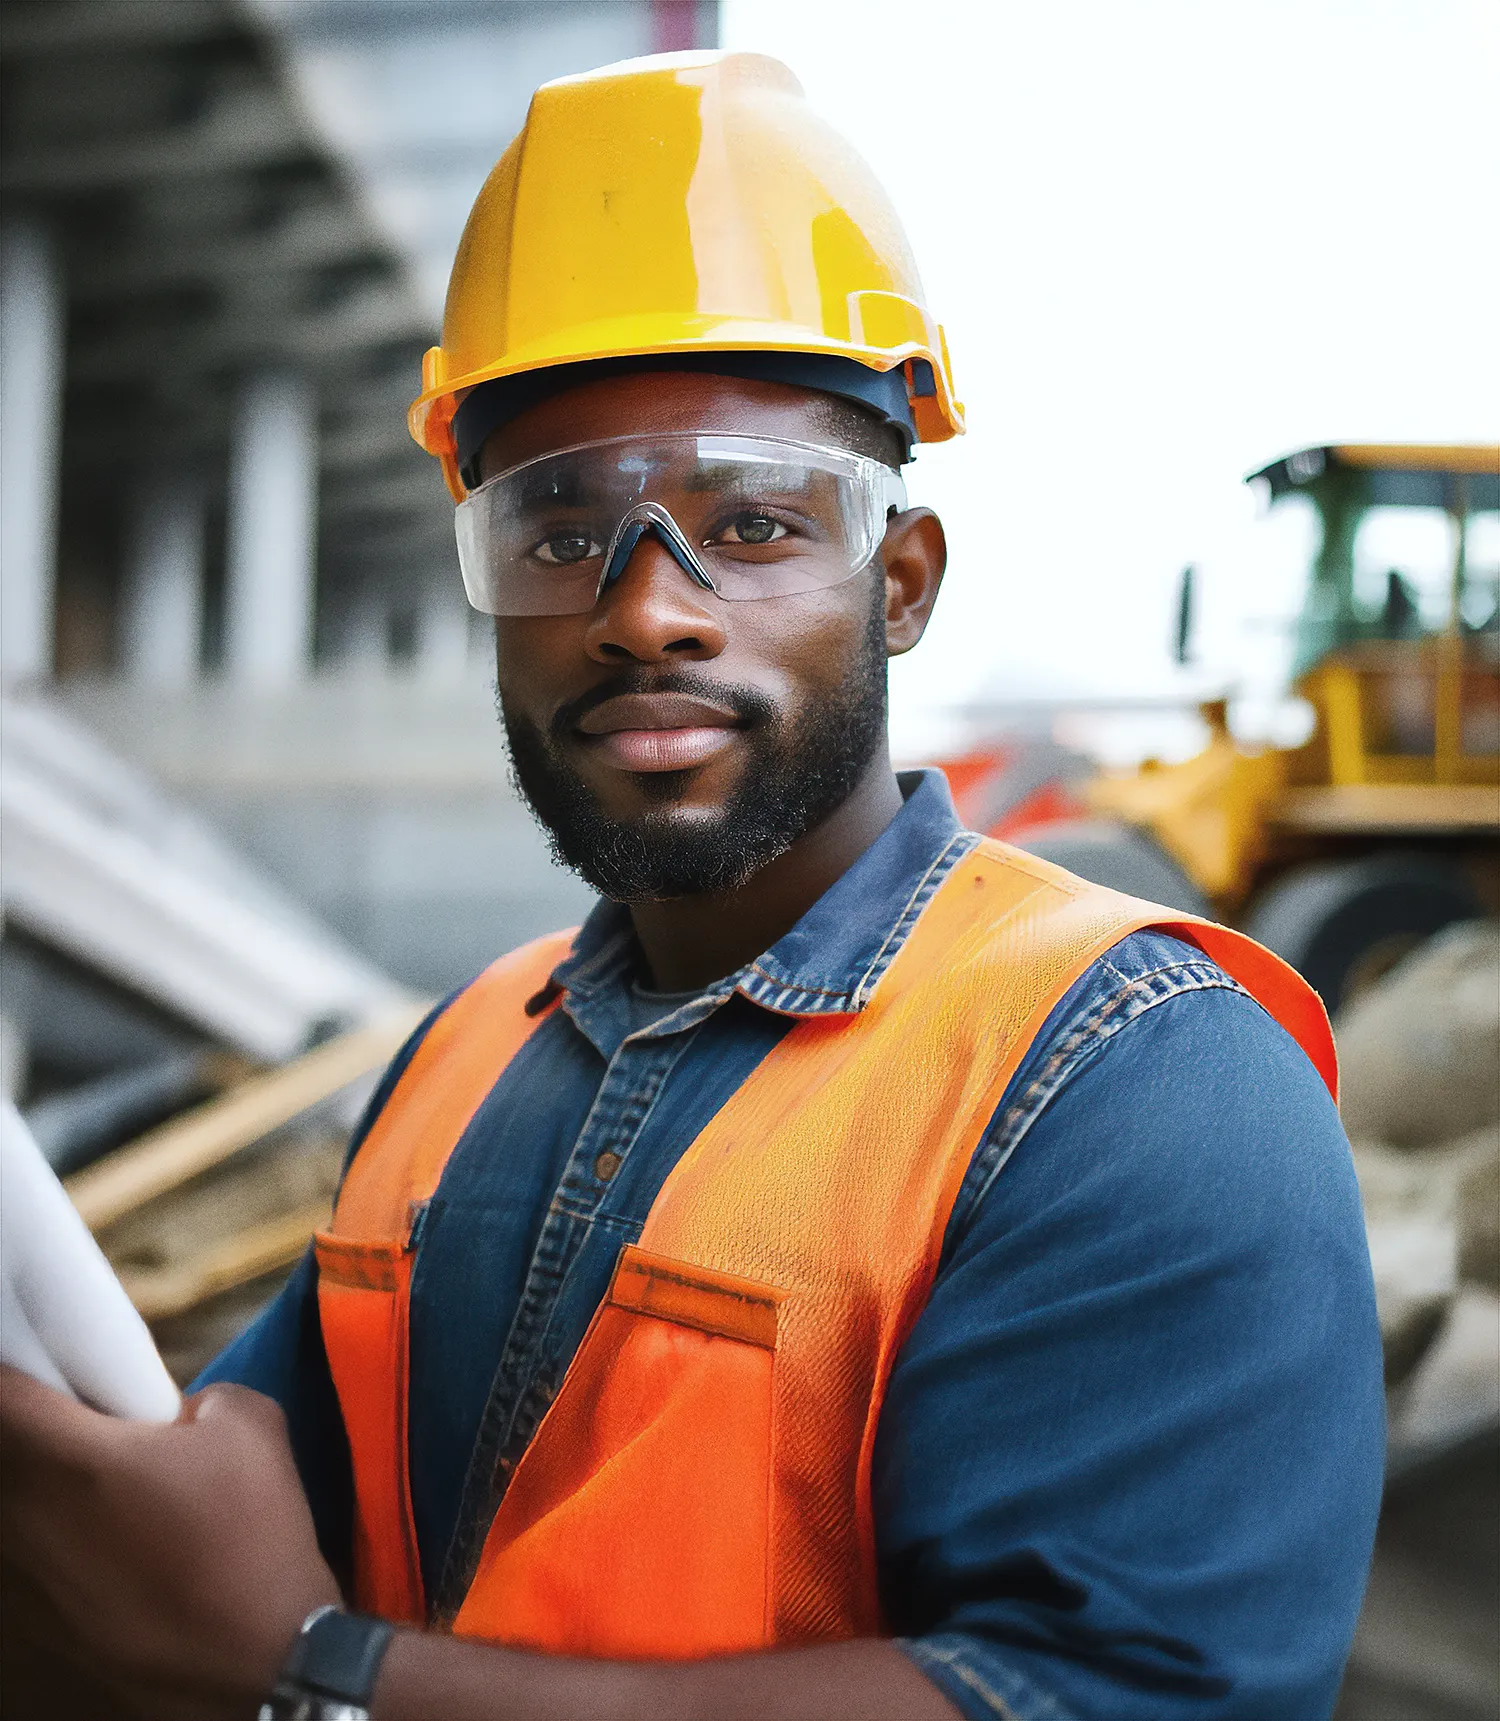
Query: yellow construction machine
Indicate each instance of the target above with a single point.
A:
(1381, 827)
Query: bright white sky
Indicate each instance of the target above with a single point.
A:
(1169, 240)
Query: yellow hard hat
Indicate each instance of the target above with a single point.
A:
(681, 204)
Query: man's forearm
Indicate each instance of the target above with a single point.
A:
(431, 1678)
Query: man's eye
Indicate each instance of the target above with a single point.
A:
(564, 548)
(752, 529)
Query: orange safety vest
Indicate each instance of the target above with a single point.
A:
(701, 1483)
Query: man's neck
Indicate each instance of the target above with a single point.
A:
(693, 940)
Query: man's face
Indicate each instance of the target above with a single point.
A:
(674, 743)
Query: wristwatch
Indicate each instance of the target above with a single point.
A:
(330, 1671)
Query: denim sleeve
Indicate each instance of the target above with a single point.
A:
(1129, 1463)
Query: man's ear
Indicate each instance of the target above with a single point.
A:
(915, 554)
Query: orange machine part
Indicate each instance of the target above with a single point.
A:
(701, 1484)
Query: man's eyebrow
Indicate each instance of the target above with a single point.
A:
(724, 476)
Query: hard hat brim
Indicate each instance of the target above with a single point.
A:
(937, 416)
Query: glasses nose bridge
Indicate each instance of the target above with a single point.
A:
(655, 519)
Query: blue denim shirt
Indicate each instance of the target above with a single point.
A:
(1129, 1461)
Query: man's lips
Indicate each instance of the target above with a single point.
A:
(659, 731)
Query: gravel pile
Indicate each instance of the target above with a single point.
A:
(1420, 1060)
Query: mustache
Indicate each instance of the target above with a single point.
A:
(749, 704)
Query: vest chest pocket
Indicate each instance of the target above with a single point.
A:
(637, 1523)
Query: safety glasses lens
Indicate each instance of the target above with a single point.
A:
(760, 518)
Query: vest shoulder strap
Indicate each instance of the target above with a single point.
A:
(461, 1058)
(1274, 984)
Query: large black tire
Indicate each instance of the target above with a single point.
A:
(1117, 856)
(1343, 923)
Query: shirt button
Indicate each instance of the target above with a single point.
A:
(606, 1165)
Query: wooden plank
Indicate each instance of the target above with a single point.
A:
(251, 1254)
(176, 1152)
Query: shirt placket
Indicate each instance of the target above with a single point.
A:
(528, 1376)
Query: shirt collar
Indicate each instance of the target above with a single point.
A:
(832, 960)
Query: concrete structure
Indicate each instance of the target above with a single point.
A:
(253, 207)
(381, 802)
(233, 314)
(272, 550)
(96, 860)
(32, 314)
(161, 606)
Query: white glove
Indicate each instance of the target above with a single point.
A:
(64, 1316)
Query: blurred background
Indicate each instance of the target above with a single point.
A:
(253, 798)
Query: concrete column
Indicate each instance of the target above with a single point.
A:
(443, 634)
(273, 508)
(12, 1057)
(161, 621)
(363, 636)
(33, 317)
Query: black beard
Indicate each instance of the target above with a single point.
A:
(794, 778)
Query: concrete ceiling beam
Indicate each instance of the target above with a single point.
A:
(357, 20)
(383, 395)
(357, 545)
(387, 492)
(406, 570)
(369, 440)
(244, 125)
(321, 339)
(313, 241)
(60, 26)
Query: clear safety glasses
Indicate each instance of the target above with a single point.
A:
(743, 517)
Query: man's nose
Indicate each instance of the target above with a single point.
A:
(654, 612)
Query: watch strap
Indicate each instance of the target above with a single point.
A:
(332, 1666)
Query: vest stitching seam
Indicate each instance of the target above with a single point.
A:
(701, 1283)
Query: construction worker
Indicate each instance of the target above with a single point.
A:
(865, 1272)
